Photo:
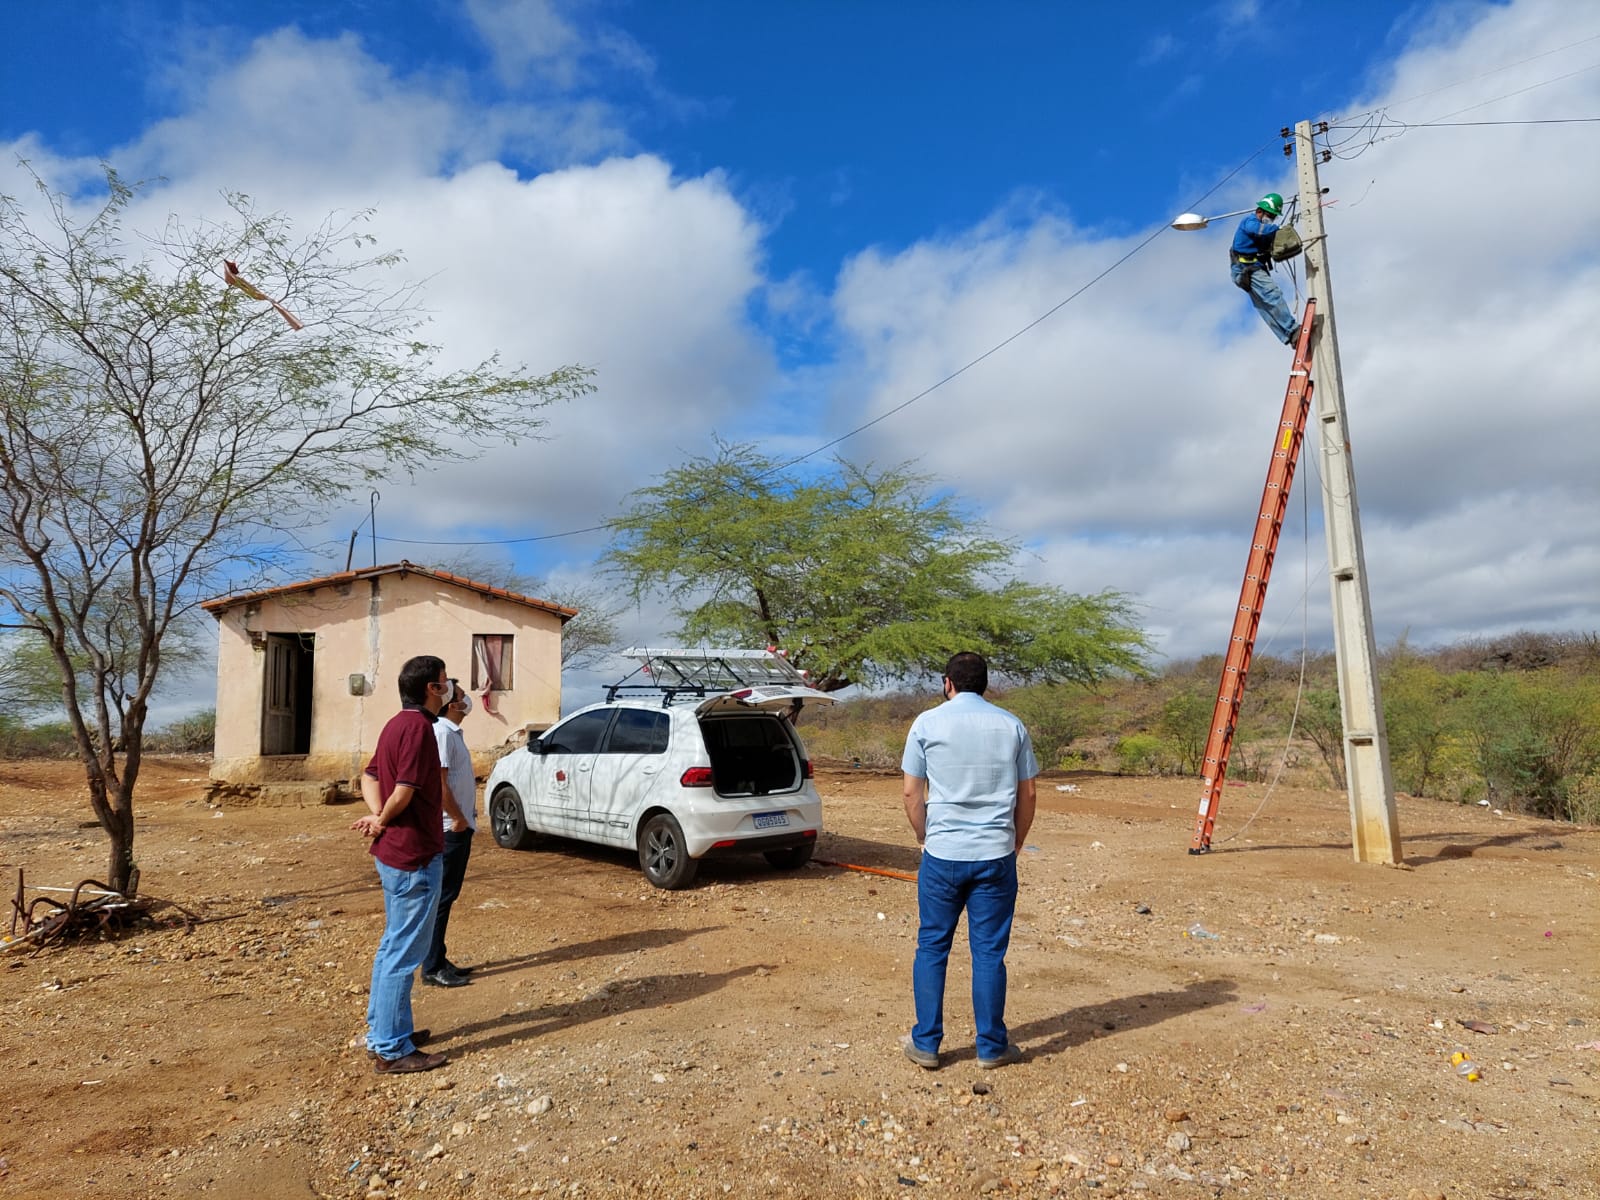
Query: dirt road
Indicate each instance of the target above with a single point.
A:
(739, 1039)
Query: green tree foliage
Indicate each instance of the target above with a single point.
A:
(1055, 718)
(1535, 736)
(33, 675)
(1321, 721)
(194, 734)
(1421, 720)
(1186, 724)
(862, 575)
(1145, 754)
(162, 434)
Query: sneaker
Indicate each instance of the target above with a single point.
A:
(1294, 338)
(410, 1064)
(926, 1059)
(1011, 1054)
(444, 977)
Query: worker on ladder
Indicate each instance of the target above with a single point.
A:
(1251, 263)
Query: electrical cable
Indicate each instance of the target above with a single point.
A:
(903, 405)
(1469, 79)
(1518, 92)
(1528, 121)
(1380, 125)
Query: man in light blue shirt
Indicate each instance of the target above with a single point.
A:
(969, 795)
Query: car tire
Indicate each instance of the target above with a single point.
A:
(663, 854)
(791, 858)
(507, 821)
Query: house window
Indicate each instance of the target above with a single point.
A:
(491, 662)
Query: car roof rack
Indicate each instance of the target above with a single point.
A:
(675, 671)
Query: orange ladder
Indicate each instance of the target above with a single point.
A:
(1257, 570)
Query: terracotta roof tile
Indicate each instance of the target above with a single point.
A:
(222, 603)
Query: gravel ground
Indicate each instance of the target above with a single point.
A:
(1270, 1020)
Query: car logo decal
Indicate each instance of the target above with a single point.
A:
(561, 776)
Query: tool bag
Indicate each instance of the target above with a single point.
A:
(1285, 244)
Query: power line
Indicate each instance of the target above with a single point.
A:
(1530, 121)
(1471, 78)
(1518, 92)
(1379, 124)
(902, 406)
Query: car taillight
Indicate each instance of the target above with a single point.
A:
(696, 777)
(806, 770)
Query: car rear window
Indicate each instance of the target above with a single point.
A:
(745, 733)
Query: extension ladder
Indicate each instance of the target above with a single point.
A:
(1257, 570)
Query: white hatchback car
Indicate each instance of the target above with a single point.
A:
(708, 764)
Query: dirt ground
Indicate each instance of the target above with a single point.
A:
(740, 1038)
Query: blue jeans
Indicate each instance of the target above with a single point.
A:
(1269, 301)
(457, 849)
(410, 899)
(987, 893)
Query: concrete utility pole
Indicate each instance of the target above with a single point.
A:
(1374, 830)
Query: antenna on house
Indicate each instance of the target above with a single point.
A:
(372, 516)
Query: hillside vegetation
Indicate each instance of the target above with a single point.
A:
(1514, 721)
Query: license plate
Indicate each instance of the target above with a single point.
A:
(770, 820)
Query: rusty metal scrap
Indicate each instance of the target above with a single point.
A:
(90, 908)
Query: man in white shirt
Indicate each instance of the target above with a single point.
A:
(460, 821)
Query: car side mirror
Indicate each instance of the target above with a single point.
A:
(536, 745)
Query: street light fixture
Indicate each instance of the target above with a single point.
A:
(1196, 221)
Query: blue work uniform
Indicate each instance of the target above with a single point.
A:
(1250, 261)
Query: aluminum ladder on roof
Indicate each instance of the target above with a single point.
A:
(707, 670)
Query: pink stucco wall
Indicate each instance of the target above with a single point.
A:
(368, 628)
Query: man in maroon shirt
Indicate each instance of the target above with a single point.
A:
(403, 788)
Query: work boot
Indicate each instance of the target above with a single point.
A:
(416, 1061)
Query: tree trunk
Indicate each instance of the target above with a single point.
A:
(122, 874)
(112, 803)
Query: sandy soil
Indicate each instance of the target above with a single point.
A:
(740, 1038)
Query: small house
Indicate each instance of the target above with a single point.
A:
(306, 672)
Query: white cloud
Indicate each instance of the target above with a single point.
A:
(528, 34)
(1126, 438)
(1123, 441)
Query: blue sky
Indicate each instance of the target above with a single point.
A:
(776, 222)
(840, 124)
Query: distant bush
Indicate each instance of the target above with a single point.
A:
(52, 739)
(1146, 754)
(1056, 717)
(194, 734)
(1515, 720)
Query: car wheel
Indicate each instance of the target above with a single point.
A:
(507, 821)
(663, 856)
(792, 857)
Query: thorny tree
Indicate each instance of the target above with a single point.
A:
(158, 429)
(861, 575)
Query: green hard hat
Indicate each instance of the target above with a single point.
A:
(1271, 203)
